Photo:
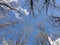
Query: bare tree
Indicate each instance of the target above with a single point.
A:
(21, 35)
(42, 5)
(54, 20)
(41, 37)
(39, 5)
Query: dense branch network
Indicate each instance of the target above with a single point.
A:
(5, 4)
(54, 20)
(10, 23)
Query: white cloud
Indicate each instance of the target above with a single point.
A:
(26, 12)
(23, 10)
(55, 42)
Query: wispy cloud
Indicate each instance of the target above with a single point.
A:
(22, 11)
(18, 16)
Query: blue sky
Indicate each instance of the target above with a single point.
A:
(29, 20)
